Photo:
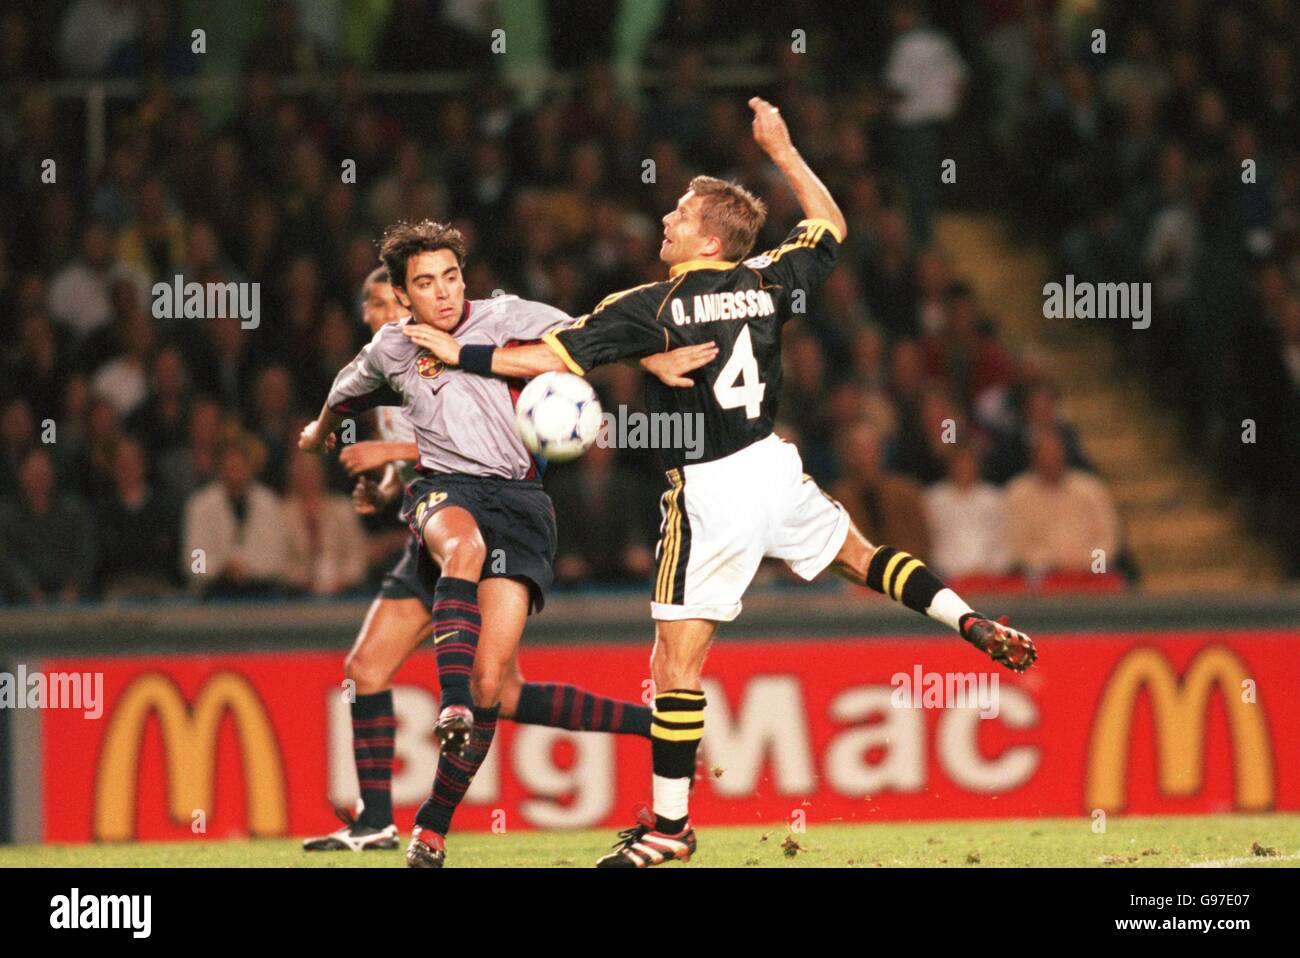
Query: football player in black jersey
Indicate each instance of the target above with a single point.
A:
(746, 496)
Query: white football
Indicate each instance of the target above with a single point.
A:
(558, 416)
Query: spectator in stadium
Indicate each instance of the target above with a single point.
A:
(47, 537)
(1012, 450)
(184, 469)
(91, 471)
(91, 31)
(886, 507)
(234, 541)
(922, 446)
(284, 48)
(804, 402)
(137, 531)
(17, 436)
(162, 419)
(326, 544)
(225, 361)
(158, 49)
(606, 524)
(927, 77)
(274, 421)
(154, 241)
(1058, 516)
(35, 366)
(122, 378)
(79, 292)
(967, 520)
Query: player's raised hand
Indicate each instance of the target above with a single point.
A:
(441, 344)
(669, 367)
(770, 131)
(311, 439)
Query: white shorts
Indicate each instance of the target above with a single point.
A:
(721, 518)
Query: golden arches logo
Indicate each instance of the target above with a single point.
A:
(189, 740)
(1179, 710)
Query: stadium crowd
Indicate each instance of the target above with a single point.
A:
(142, 455)
(1174, 159)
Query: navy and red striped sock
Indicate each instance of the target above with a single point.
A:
(373, 728)
(456, 624)
(565, 706)
(456, 772)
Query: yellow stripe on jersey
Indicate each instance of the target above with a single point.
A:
(664, 302)
(812, 235)
(552, 340)
(825, 224)
(699, 264)
(615, 297)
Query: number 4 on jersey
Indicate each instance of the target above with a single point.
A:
(738, 383)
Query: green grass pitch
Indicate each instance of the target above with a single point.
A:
(1206, 840)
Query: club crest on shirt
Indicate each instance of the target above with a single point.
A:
(429, 366)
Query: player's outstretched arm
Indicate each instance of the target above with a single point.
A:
(365, 456)
(771, 133)
(524, 362)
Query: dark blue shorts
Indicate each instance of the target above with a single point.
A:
(409, 579)
(514, 516)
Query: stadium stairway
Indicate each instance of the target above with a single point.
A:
(1182, 533)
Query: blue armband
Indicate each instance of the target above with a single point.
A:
(477, 359)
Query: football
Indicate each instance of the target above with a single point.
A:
(558, 416)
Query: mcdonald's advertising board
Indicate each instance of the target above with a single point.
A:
(224, 746)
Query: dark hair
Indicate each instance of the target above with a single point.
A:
(731, 212)
(404, 240)
(377, 275)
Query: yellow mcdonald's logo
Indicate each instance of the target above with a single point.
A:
(1179, 710)
(189, 739)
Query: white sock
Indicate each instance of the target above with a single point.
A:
(948, 607)
(671, 796)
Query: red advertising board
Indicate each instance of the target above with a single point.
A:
(844, 729)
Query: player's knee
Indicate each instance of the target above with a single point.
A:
(463, 555)
(854, 557)
(367, 672)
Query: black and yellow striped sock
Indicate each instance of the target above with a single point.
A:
(676, 727)
(906, 579)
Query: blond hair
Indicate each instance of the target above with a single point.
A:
(730, 212)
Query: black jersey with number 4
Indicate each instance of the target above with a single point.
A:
(741, 306)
